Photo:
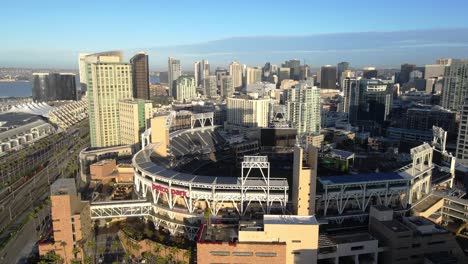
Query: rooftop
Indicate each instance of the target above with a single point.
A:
(289, 220)
(63, 186)
(359, 178)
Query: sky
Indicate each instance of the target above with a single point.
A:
(33, 31)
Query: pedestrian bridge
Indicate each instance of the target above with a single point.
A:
(118, 209)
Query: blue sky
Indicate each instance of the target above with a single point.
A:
(32, 30)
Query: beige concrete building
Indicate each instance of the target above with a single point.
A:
(315, 140)
(248, 111)
(276, 239)
(108, 81)
(411, 239)
(107, 170)
(71, 221)
(134, 116)
(253, 75)
(304, 180)
(160, 135)
(235, 70)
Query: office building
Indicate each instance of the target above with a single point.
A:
(140, 76)
(235, 70)
(369, 73)
(425, 117)
(209, 86)
(248, 111)
(455, 89)
(134, 116)
(103, 97)
(303, 102)
(375, 100)
(294, 66)
(284, 74)
(185, 88)
(462, 139)
(350, 102)
(174, 71)
(404, 75)
(286, 239)
(341, 67)
(328, 77)
(444, 61)
(53, 87)
(82, 70)
(219, 74)
(410, 239)
(434, 70)
(304, 71)
(227, 86)
(253, 75)
(71, 221)
(201, 71)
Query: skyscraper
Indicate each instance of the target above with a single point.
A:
(294, 65)
(283, 74)
(462, 139)
(406, 69)
(375, 100)
(341, 67)
(304, 72)
(219, 74)
(235, 70)
(369, 73)
(248, 111)
(173, 73)
(82, 70)
(253, 75)
(108, 80)
(350, 101)
(328, 77)
(185, 89)
(455, 89)
(134, 116)
(201, 70)
(209, 86)
(140, 76)
(53, 87)
(303, 104)
(227, 86)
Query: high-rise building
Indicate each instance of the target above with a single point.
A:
(455, 89)
(227, 86)
(283, 74)
(209, 86)
(71, 221)
(294, 65)
(185, 88)
(444, 61)
(53, 87)
(404, 76)
(350, 101)
(304, 180)
(375, 100)
(134, 116)
(235, 70)
(341, 67)
(266, 72)
(369, 73)
(140, 76)
(219, 74)
(174, 71)
(108, 81)
(462, 139)
(201, 70)
(303, 102)
(304, 72)
(82, 70)
(248, 111)
(328, 77)
(434, 71)
(253, 75)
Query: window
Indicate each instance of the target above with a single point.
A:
(357, 248)
(220, 253)
(296, 241)
(242, 253)
(266, 254)
(296, 253)
(436, 242)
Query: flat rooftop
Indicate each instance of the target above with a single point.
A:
(395, 226)
(289, 220)
(63, 186)
(359, 178)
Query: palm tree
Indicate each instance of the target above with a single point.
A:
(76, 251)
(101, 251)
(188, 254)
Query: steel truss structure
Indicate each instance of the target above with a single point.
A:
(351, 196)
(201, 119)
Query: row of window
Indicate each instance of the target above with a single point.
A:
(243, 254)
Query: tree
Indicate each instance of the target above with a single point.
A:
(175, 252)
(157, 249)
(188, 254)
(115, 246)
(101, 250)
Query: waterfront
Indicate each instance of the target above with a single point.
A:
(15, 89)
